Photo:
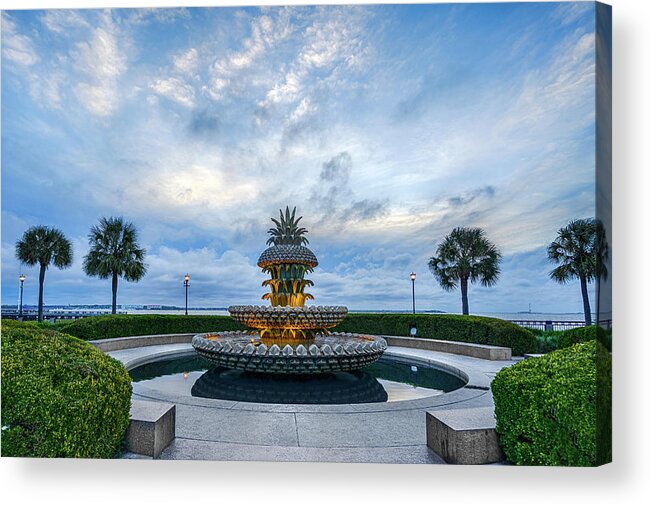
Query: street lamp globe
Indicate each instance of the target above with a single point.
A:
(413, 276)
(21, 278)
(186, 278)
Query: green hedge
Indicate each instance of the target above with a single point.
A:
(469, 329)
(559, 339)
(472, 329)
(548, 341)
(109, 326)
(61, 397)
(571, 337)
(556, 409)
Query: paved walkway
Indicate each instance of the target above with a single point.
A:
(211, 429)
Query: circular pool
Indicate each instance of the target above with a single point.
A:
(390, 379)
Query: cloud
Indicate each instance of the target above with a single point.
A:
(62, 21)
(266, 31)
(332, 43)
(216, 279)
(337, 169)
(468, 197)
(187, 61)
(338, 205)
(100, 58)
(16, 47)
(146, 16)
(568, 13)
(363, 210)
(204, 123)
(175, 89)
(48, 89)
(335, 39)
(101, 61)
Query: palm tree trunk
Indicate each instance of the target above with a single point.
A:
(41, 282)
(586, 301)
(464, 295)
(115, 292)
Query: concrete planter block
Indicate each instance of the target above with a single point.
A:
(483, 351)
(464, 436)
(152, 427)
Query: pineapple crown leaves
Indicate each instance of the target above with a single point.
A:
(287, 230)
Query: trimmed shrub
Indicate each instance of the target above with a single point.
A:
(548, 341)
(570, 337)
(61, 397)
(559, 339)
(446, 327)
(556, 410)
(536, 331)
(109, 326)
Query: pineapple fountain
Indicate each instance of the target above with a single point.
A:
(287, 336)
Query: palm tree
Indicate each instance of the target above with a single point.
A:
(114, 253)
(575, 250)
(465, 255)
(44, 246)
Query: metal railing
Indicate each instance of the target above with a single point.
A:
(548, 325)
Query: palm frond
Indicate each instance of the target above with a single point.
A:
(576, 251)
(466, 253)
(114, 249)
(44, 245)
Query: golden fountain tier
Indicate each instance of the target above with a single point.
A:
(287, 318)
(323, 354)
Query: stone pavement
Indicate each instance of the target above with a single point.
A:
(395, 432)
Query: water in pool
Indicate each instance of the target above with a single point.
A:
(387, 380)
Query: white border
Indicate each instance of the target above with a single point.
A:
(32, 481)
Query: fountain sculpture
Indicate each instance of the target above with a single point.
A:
(288, 337)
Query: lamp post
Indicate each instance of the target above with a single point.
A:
(413, 292)
(186, 284)
(20, 307)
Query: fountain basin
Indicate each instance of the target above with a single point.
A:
(330, 353)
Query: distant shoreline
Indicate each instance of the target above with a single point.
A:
(222, 311)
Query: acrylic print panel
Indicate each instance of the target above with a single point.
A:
(365, 233)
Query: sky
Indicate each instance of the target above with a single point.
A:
(385, 125)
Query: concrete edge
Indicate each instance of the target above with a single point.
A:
(125, 343)
(483, 351)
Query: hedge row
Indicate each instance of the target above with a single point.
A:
(470, 329)
(110, 326)
(556, 410)
(559, 339)
(61, 397)
(571, 337)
